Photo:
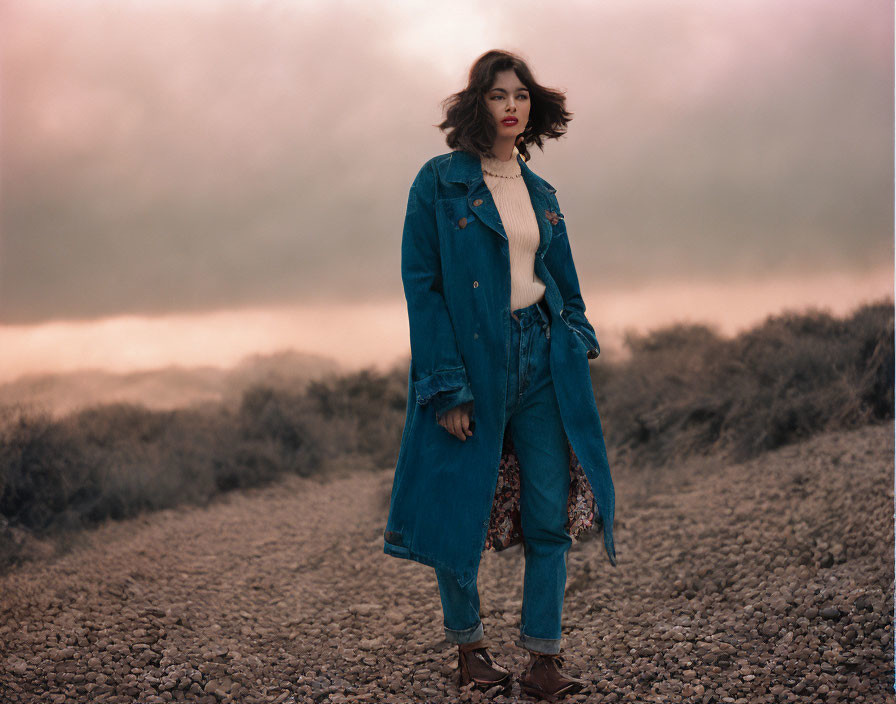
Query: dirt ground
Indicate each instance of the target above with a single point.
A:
(766, 581)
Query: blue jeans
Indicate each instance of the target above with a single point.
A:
(540, 440)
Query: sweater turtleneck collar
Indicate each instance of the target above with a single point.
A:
(504, 169)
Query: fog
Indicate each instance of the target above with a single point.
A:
(202, 157)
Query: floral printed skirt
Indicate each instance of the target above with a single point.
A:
(505, 528)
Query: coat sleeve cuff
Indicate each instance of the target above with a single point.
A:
(590, 342)
(447, 400)
(442, 387)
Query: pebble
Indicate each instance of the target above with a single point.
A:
(722, 593)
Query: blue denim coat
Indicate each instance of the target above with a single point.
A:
(455, 269)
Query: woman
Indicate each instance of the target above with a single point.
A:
(502, 441)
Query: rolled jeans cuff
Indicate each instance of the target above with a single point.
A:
(468, 635)
(539, 645)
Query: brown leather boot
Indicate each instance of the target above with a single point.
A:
(543, 678)
(474, 664)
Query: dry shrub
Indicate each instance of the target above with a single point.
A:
(687, 391)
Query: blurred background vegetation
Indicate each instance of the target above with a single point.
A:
(683, 391)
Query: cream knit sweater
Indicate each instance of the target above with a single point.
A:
(505, 181)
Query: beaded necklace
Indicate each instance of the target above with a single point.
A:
(497, 166)
(492, 173)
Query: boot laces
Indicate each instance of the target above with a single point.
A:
(481, 652)
(555, 659)
(483, 655)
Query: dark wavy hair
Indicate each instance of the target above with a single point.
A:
(469, 123)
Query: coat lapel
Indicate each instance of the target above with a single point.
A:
(540, 195)
(464, 167)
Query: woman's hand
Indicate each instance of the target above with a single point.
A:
(457, 420)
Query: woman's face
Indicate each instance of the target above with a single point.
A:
(508, 102)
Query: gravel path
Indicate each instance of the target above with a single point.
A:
(767, 581)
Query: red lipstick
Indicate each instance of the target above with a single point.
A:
(509, 121)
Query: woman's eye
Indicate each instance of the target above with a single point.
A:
(522, 96)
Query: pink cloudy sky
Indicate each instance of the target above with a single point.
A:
(189, 182)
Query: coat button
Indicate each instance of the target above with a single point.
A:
(475, 284)
(462, 223)
(478, 201)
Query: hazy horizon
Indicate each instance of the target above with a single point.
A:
(375, 334)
